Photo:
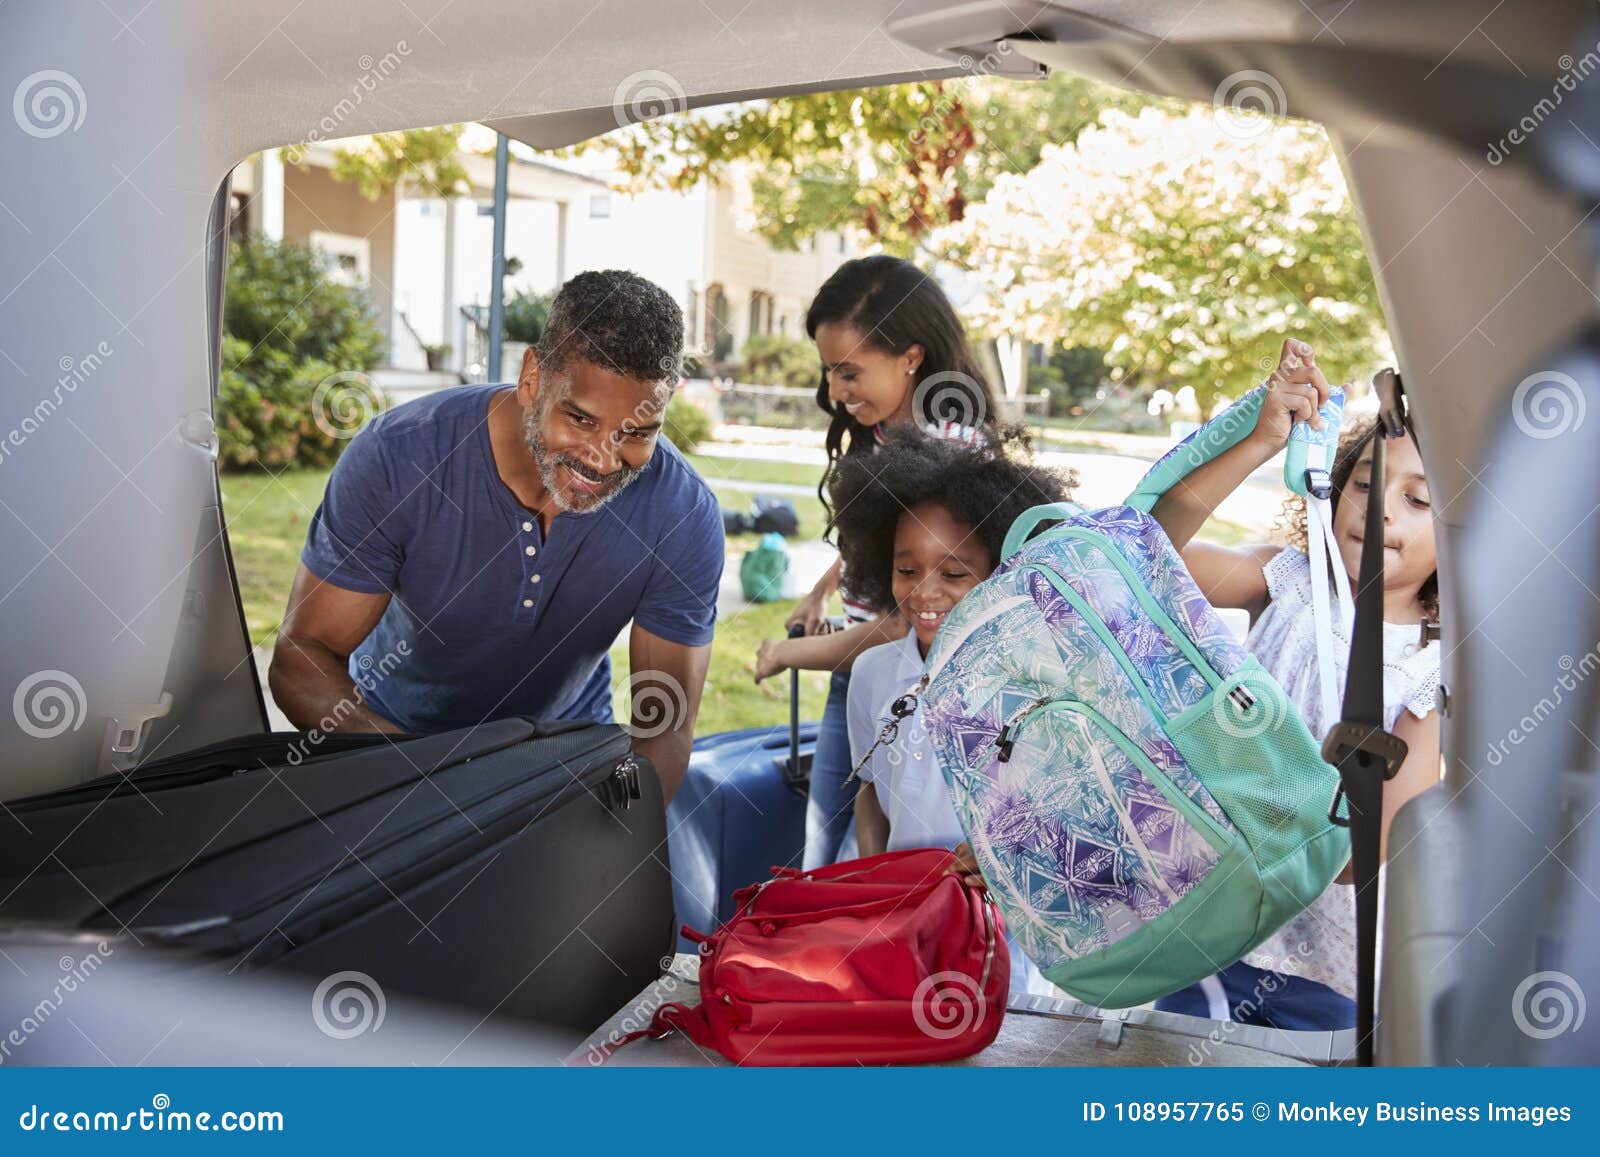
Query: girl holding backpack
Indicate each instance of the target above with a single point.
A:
(1304, 976)
(894, 353)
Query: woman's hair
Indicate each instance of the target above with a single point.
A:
(979, 485)
(1352, 443)
(896, 306)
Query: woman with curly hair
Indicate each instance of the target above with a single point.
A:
(1304, 976)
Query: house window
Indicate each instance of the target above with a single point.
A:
(760, 313)
(599, 206)
(348, 259)
(691, 318)
(719, 323)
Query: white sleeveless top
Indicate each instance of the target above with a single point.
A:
(1320, 943)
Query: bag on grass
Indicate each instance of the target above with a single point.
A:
(884, 960)
(1143, 799)
(761, 570)
(775, 516)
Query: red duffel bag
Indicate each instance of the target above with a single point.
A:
(885, 960)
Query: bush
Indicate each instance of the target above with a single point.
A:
(279, 297)
(1073, 375)
(526, 316)
(271, 414)
(290, 332)
(775, 360)
(686, 424)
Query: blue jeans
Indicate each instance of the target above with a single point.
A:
(1256, 996)
(831, 808)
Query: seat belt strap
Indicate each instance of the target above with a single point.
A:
(1365, 754)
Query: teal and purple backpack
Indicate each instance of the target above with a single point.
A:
(1144, 801)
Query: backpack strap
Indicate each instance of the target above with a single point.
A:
(1365, 754)
(1027, 523)
(1308, 470)
(1224, 431)
(1325, 560)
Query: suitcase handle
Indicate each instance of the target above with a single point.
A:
(795, 773)
(794, 706)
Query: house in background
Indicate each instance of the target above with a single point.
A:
(426, 261)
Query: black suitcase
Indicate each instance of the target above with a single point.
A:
(516, 868)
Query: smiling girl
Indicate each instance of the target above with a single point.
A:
(894, 353)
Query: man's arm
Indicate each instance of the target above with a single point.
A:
(309, 675)
(665, 684)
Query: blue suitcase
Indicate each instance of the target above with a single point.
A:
(740, 810)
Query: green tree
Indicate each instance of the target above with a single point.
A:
(424, 157)
(1186, 247)
(894, 163)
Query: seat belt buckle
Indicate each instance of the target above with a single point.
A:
(1345, 739)
(1319, 484)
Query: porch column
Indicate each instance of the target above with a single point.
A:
(270, 196)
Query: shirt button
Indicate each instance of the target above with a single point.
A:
(527, 602)
(527, 526)
(530, 552)
(534, 579)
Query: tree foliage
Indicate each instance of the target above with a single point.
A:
(426, 158)
(893, 163)
(1186, 246)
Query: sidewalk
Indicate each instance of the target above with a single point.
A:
(1103, 479)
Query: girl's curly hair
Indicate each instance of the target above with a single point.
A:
(980, 485)
(1292, 521)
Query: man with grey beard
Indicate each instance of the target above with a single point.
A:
(478, 551)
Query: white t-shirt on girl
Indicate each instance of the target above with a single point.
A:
(907, 780)
(910, 787)
(1320, 943)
